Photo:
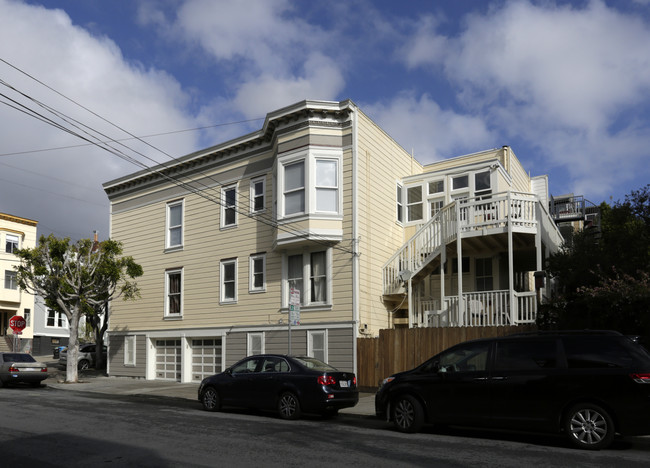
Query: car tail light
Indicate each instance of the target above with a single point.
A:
(354, 381)
(326, 380)
(13, 369)
(641, 378)
(43, 369)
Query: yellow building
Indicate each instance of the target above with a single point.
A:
(15, 233)
(315, 212)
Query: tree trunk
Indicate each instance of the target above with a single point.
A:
(71, 370)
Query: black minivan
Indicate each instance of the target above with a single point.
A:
(587, 384)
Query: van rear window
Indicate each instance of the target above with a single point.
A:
(588, 352)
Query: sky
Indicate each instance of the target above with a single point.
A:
(565, 84)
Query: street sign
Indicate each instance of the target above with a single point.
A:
(294, 307)
(17, 324)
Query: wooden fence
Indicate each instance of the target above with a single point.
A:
(400, 349)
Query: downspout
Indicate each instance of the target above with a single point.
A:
(355, 238)
(459, 260)
(511, 264)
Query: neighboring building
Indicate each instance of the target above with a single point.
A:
(15, 233)
(51, 328)
(321, 201)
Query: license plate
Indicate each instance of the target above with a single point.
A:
(344, 384)
(30, 369)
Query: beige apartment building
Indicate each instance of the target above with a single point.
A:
(312, 232)
(15, 233)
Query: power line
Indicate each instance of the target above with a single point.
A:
(200, 191)
(173, 132)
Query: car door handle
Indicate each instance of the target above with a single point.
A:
(480, 378)
(499, 378)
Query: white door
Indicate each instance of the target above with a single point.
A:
(168, 360)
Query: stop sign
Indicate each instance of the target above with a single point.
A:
(17, 323)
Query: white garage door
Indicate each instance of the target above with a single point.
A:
(168, 360)
(206, 357)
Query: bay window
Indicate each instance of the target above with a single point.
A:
(309, 183)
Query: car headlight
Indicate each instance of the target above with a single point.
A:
(387, 380)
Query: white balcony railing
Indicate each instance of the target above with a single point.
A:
(522, 211)
(480, 309)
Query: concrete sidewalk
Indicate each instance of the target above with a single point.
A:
(96, 382)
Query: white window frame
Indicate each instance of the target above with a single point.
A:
(58, 317)
(254, 195)
(169, 226)
(399, 202)
(130, 342)
(410, 204)
(306, 293)
(250, 337)
(310, 159)
(439, 192)
(14, 241)
(439, 204)
(302, 188)
(225, 208)
(222, 289)
(310, 344)
(168, 274)
(321, 188)
(251, 277)
(11, 280)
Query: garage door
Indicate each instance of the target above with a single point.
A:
(168, 360)
(206, 357)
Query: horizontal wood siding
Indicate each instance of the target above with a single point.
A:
(116, 357)
(401, 349)
(381, 163)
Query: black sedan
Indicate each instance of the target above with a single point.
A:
(291, 385)
(21, 368)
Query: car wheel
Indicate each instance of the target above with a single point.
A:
(289, 406)
(83, 364)
(408, 415)
(589, 426)
(210, 399)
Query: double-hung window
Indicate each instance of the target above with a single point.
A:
(174, 293)
(257, 273)
(11, 243)
(174, 225)
(484, 279)
(255, 343)
(327, 186)
(414, 203)
(229, 206)
(56, 319)
(309, 273)
(294, 188)
(400, 203)
(11, 279)
(317, 344)
(228, 281)
(258, 189)
(129, 350)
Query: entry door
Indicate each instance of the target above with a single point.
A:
(168, 360)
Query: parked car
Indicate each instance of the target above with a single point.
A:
(21, 367)
(588, 385)
(86, 357)
(290, 385)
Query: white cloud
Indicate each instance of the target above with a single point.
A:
(421, 126)
(569, 81)
(92, 71)
(274, 58)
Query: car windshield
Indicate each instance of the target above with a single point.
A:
(18, 357)
(315, 364)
